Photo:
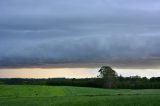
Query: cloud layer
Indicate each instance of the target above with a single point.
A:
(38, 33)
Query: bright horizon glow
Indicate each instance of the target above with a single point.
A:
(72, 72)
(48, 73)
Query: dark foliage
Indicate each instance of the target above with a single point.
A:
(134, 82)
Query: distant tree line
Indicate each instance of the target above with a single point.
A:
(108, 78)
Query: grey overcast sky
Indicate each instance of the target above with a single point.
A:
(80, 33)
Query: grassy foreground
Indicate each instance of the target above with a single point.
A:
(28, 95)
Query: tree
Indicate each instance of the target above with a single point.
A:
(108, 76)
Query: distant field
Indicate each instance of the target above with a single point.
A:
(32, 95)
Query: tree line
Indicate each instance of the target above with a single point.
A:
(108, 78)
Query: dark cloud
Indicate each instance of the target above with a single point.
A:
(39, 33)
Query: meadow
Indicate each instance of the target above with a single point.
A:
(36, 95)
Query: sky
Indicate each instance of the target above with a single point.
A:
(72, 72)
(124, 34)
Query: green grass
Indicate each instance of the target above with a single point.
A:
(32, 95)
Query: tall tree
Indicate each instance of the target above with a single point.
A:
(108, 76)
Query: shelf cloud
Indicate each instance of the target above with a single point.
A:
(79, 33)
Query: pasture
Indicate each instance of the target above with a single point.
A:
(35, 95)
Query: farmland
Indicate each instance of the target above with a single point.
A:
(31, 95)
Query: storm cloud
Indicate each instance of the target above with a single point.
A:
(81, 33)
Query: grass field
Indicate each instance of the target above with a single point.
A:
(32, 95)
